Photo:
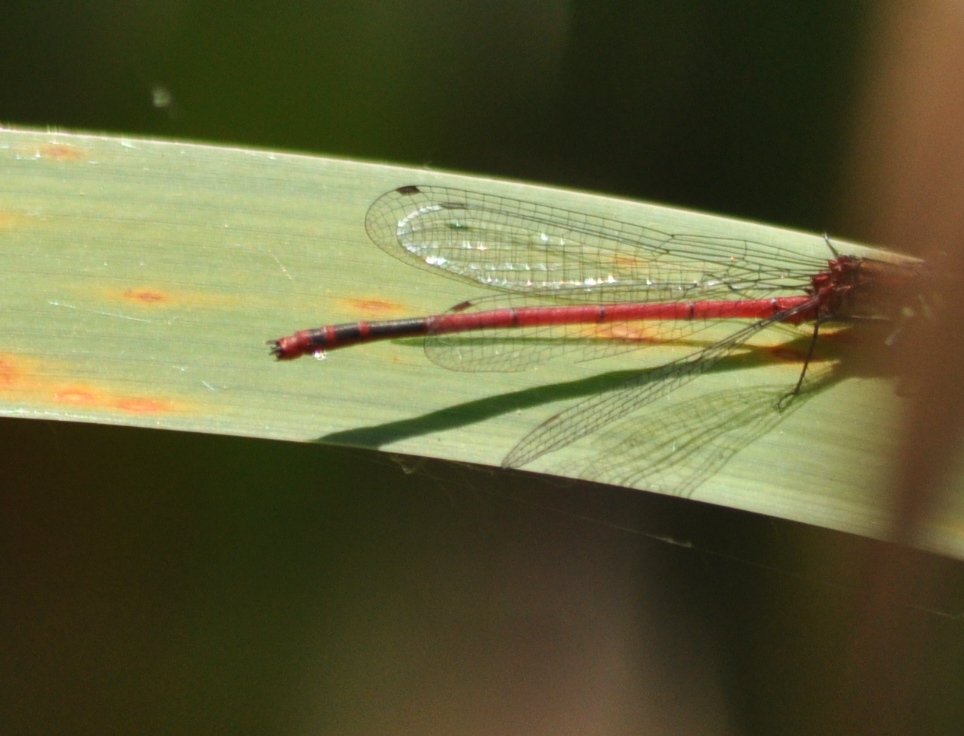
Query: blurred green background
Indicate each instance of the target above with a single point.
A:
(166, 583)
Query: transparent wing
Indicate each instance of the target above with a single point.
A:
(679, 447)
(535, 253)
(517, 246)
(591, 414)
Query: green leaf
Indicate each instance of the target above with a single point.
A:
(140, 281)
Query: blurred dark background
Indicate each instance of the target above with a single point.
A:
(745, 109)
(165, 583)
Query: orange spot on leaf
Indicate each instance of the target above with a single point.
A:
(9, 220)
(150, 296)
(624, 261)
(61, 152)
(91, 397)
(374, 306)
(27, 379)
(51, 151)
(8, 373)
(77, 396)
(145, 296)
(626, 332)
(143, 405)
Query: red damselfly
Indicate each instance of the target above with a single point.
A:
(558, 271)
